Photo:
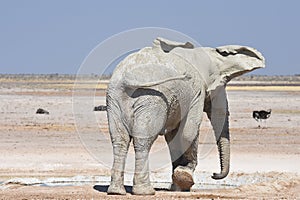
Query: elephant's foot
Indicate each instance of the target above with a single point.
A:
(143, 190)
(182, 179)
(116, 189)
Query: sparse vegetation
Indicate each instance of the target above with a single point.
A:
(279, 80)
(94, 81)
(254, 79)
(52, 77)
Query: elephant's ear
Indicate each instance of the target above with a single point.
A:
(168, 45)
(234, 60)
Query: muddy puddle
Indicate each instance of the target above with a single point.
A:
(203, 181)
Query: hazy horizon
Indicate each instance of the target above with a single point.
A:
(105, 74)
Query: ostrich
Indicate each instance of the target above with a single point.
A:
(261, 115)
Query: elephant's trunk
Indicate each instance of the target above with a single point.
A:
(224, 152)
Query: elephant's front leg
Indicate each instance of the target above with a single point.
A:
(183, 145)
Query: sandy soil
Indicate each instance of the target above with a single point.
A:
(67, 154)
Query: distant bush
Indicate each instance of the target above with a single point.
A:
(53, 77)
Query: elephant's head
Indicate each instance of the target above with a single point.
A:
(216, 67)
(231, 61)
(228, 62)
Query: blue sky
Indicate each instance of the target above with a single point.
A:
(55, 36)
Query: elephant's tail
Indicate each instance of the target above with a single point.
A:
(131, 82)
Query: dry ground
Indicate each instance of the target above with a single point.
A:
(44, 157)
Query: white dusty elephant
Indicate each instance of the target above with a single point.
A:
(163, 90)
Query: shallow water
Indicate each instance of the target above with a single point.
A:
(203, 181)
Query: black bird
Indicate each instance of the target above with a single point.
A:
(42, 111)
(262, 114)
(100, 108)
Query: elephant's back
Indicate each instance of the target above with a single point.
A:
(144, 56)
(150, 65)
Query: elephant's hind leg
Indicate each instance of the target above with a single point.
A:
(149, 121)
(141, 182)
(120, 141)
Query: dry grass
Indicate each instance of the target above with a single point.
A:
(69, 82)
(263, 88)
(79, 86)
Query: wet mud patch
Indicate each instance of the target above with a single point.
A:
(161, 181)
(236, 186)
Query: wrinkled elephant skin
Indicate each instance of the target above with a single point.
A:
(163, 90)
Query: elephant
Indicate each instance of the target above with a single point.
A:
(164, 90)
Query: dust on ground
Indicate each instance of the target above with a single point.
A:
(44, 157)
